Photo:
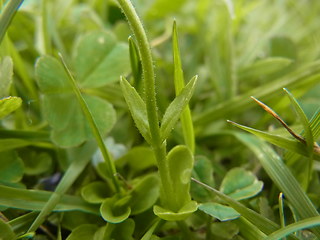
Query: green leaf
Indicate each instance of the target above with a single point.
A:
(202, 171)
(295, 227)
(175, 109)
(219, 211)
(135, 63)
(11, 167)
(179, 205)
(184, 212)
(100, 60)
(8, 105)
(180, 164)
(85, 231)
(186, 120)
(304, 120)
(120, 231)
(240, 184)
(286, 143)
(6, 231)
(281, 176)
(264, 67)
(116, 209)
(63, 112)
(137, 108)
(35, 200)
(6, 73)
(138, 159)
(95, 192)
(144, 194)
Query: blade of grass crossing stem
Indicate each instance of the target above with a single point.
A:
(174, 110)
(263, 224)
(106, 156)
(7, 15)
(186, 120)
(281, 176)
(248, 230)
(73, 171)
(294, 227)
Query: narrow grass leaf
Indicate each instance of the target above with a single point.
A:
(304, 120)
(286, 143)
(281, 176)
(13, 143)
(150, 231)
(35, 200)
(137, 108)
(175, 109)
(8, 105)
(294, 227)
(248, 230)
(264, 67)
(7, 14)
(6, 231)
(135, 62)
(186, 120)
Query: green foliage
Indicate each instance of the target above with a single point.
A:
(53, 80)
(102, 136)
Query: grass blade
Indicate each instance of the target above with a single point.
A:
(35, 200)
(281, 176)
(175, 108)
(294, 227)
(186, 120)
(286, 143)
(7, 15)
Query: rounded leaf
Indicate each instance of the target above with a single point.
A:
(83, 232)
(182, 214)
(145, 194)
(95, 192)
(240, 184)
(115, 209)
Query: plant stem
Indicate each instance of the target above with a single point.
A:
(157, 145)
(147, 66)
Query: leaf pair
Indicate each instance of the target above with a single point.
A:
(138, 109)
